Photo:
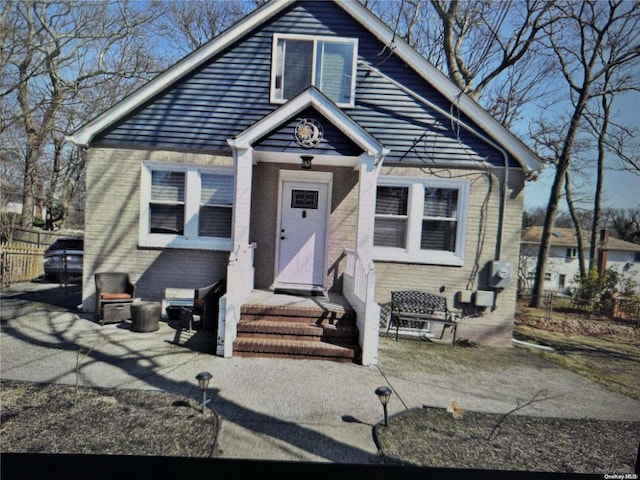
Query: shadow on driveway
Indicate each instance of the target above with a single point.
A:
(23, 311)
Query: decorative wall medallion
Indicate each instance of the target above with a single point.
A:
(308, 133)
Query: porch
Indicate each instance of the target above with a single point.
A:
(306, 226)
(340, 327)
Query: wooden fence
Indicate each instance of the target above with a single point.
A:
(20, 263)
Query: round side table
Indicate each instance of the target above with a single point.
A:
(145, 316)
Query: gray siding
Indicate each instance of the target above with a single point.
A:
(231, 92)
(334, 142)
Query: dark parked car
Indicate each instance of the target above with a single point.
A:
(64, 256)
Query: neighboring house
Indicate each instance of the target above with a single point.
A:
(563, 264)
(309, 148)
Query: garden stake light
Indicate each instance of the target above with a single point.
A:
(384, 393)
(203, 380)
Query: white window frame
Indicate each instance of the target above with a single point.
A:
(412, 253)
(276, 94)
(190, 238)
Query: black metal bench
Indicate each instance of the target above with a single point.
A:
(413, 306)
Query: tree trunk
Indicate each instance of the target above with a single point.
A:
(576, 224)
(537, 297)
(597, 196)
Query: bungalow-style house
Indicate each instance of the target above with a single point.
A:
(308, 149)
(563, 263)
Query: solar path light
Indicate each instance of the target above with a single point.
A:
(203, 380)
(384, 393)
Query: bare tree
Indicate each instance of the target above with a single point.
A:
(625, 223)
(576, 224)
(581, 41)
(62, 62)
(188, 25)
(611, 139)
(486, 48)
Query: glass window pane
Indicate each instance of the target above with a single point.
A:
(215, 222)
(298, 58)
(390, 232)
(216, 189)
(166, 219)
(438, 235)
(440, 202)
(306, 199)
(392, 200)
(333, 70)
(167, 186)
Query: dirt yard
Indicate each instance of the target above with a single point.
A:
(433, 437)
(605, 351)
(62, 419)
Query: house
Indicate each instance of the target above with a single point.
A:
(563, 263)
(307, 148)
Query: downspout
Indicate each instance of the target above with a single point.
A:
(470, 129)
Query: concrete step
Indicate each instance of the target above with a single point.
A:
(295, 330)
(278, 348)
(307, 315)
(286, 326)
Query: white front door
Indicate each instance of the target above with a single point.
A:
(302, 233)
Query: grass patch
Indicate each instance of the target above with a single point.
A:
(599, 349)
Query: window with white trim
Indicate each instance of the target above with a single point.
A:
(572, 252)
(186, 207)
(420, 221)
(327, 63)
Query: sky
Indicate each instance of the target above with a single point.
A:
(621, 188)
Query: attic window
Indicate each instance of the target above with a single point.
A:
(327, 63)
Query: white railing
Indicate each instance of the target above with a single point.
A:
(240, 282)
(359, 289)
(359, 274)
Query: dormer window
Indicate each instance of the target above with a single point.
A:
(327, 63)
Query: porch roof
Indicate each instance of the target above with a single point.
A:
(315, 99)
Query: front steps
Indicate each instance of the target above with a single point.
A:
(284, 326)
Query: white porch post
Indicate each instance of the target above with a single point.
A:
(242, 206)
(240, 268)
(369, 325)
(368, 180)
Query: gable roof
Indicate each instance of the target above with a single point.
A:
(503, 137)
(566, 237)
(316, 99)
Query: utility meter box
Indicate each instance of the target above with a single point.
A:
(483, 298)
(464, 296)
(500, 274)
